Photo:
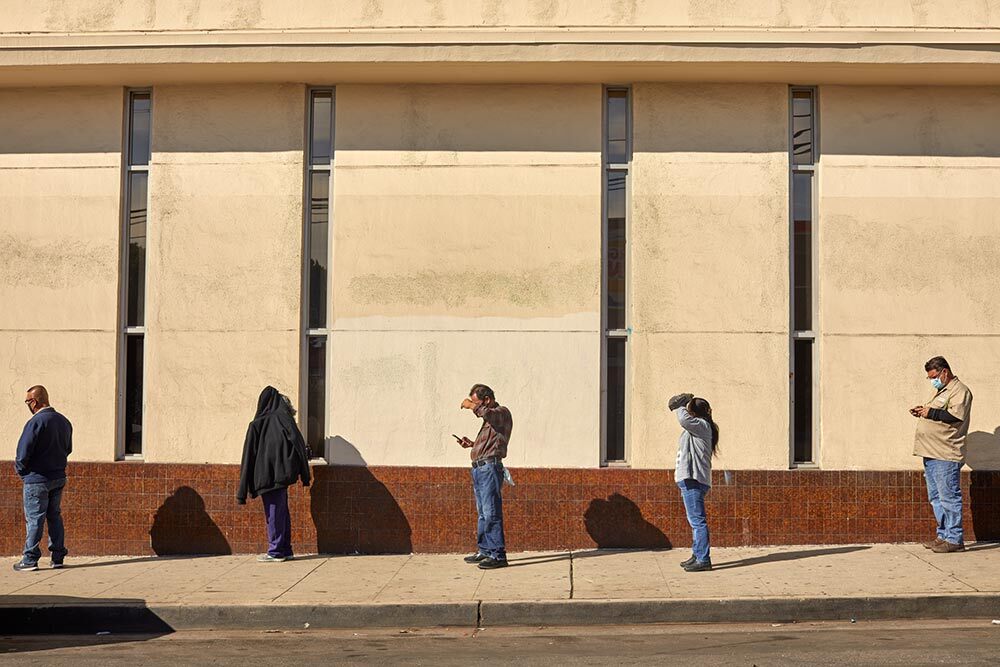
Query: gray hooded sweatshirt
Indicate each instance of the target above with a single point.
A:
(694, 451)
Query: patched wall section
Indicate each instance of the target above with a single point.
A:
(60, 157)
(466, 248)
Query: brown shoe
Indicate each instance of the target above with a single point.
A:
(933, 543)
(947, 548)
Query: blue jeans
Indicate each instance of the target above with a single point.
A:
(279, 523)
(42, 502)
(693, 492)
(944, 490)
(487, 482)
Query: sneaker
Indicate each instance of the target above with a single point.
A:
(57, 564)
(933, 543)
(475, 558)
(699, 566)
(268, 558)
(947, 547)
(690, 561)
(25, 566)
(492, 564)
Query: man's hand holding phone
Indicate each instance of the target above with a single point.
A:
(465, 442)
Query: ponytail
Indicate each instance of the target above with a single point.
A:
(702, 409)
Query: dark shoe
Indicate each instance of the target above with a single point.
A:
(57, 564)
(24, 566)
(475, 558)
(947, 547)
(699, 566)
(933, 543)
(690, 561)
(492, 564)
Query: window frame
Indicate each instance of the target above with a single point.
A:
(308, 332)
(608, 168)
(126, 331)
(811, 334)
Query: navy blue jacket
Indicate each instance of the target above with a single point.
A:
(45, 444)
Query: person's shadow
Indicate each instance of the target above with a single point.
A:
(353, 511)
(617, 523)
(982, 455)
(182, 526)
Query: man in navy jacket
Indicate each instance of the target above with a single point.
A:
(45, 444)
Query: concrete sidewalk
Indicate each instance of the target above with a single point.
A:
(778, 584)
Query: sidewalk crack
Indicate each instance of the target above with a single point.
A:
(572, 583)
(321, 564)
(951, 575)
(390, 579)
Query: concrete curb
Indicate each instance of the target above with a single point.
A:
(132, 616)
(738, 610)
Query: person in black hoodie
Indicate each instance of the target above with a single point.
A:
(274, 458)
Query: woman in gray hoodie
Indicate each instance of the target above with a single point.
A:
(693, 473)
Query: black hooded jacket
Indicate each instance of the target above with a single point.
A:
(274, 454)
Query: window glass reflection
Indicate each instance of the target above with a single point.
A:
(321, 148)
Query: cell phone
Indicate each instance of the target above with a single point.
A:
(456, 437)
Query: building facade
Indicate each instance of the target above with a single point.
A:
(785, 207)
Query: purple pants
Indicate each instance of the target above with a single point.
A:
(279, 523)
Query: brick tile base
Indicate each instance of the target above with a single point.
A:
(141, 509)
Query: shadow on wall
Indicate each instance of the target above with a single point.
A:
(182, 526)
(352, 510)
(617, 523)
(982, 455)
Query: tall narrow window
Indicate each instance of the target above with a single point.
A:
(802, 165)
(136, 187)
(617, 153)
(317, 257)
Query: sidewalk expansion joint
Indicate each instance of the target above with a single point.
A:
(300, 580)
(571, 583)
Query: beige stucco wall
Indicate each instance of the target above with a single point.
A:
(105, 15)
(466, 249)
(708, 245)
(60, 152)
(224, 271)
(909, 194)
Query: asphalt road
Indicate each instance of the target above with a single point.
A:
(974, 642)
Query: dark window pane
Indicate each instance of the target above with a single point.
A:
(139, 133)
(615, 450)
(617, 130)
(802, 401)
(802, 250)
(316, 408)
(322, 128)
(136, 287)
(319, 218)
(133, 394)
(802, 127)
(616, 257)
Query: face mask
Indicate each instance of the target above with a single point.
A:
(937, 384)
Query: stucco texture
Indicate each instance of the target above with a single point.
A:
(59, 227)
(466, 249)
(709, 278)
(224, 264)
(105, 15)
(909, 194)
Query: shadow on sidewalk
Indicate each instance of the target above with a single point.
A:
(780, 556)
(553, 558)
(182, 526)
(353, 511)
(76, 621)
(617, 523)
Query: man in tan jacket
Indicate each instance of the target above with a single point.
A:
(940, 440)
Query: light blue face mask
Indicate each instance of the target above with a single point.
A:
(937, 384)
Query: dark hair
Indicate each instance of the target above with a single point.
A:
(937, 364)
(701, 408)
(482, 392)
